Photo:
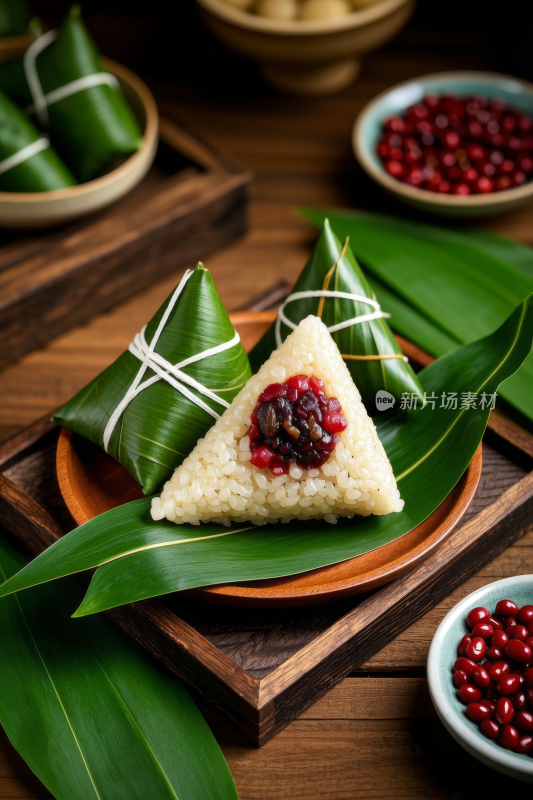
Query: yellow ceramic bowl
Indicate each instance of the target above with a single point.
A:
(30, 210)
(308, 57)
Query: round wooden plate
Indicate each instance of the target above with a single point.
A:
(92, 482)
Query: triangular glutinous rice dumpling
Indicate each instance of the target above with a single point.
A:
(372, 354)
(151, 405)
(90, 122)
(27, 162)
(296, 443)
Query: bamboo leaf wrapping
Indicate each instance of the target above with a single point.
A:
(429, 451)
(44, 171)
(92, 714)
(13, 17)
(91, 129)
(458, 282)
(365, 339)
(160, 426)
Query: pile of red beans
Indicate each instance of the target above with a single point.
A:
(459, 146)
(494, 674)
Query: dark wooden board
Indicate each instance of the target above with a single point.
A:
(263, 667)
(193, 201)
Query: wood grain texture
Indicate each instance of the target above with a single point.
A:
(52, 281)
(300, 154)
(319, 647)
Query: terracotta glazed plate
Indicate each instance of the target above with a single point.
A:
(92, 482)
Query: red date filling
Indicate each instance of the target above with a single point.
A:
(294, 422)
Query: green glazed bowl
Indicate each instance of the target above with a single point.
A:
(442, 655)
(367, 130)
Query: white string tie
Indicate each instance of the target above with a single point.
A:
(41, 101)
(164, 370)
(23, 155)
(376, 314)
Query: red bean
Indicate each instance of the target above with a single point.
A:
(520, 701)
(509, 622)
(525, 615)
(509, 631)
(491, 693)
(499, 639)
(477, 712)
(504, 711)
(503, 182)
(498, 669)
(480, 677)
(505, 608)
(529, 642)
(460, 678)
(477, 615)
(524, 721)
(469, 694)
(508, 685)
(525, 744)
(516, 650)
(464, 664)
(484, 630)
(484, 185)
(494, 654)
(496, 624)
(509, 737)
(520, 632)
(477, 648)
(490, 729)
(528, 677)
(490, 704)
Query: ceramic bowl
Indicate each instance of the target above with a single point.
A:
(442, 655)
(307, 57)
(45, 209)
(367, 129)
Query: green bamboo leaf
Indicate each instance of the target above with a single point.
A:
(44, 171)
(333, 265)
(90, 712)
(160, 426)
(464, 283)
(429, 452)
(411, 324)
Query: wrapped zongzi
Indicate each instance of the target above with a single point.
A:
(27, 162)
(62, 80)
(296, 443)
(149, 408)
(333, 286)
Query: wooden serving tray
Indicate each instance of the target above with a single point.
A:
(264, 667)
(92, 482)
(192, 201)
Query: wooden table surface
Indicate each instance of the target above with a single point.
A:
(375, 735)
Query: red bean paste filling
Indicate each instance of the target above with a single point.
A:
(294, 423)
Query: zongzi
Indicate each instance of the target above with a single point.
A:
(333, 286)
(149, 407)
(62, 80)
(27, 162)
(296, 443)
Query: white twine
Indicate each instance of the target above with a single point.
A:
(377, 314)
(41, 101)
(24, 154)
(171, 373)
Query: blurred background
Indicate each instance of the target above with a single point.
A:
(168, 41)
